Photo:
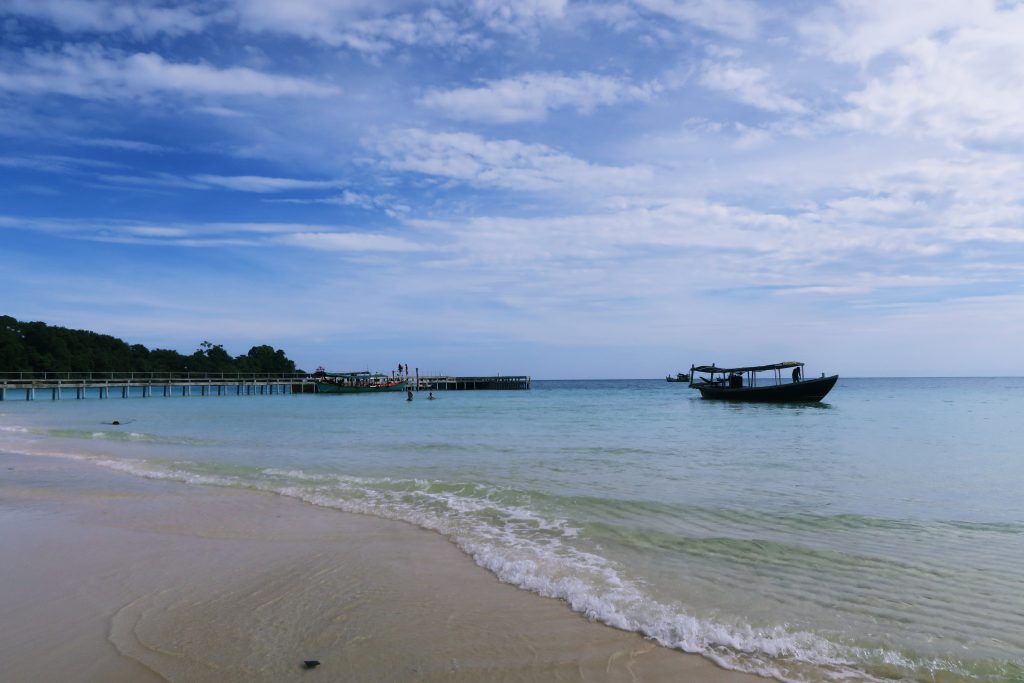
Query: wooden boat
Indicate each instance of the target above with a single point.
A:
(357, 383)
(742, 384)
(680, 377)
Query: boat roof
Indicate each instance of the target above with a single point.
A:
(361, 373)
(750, 368)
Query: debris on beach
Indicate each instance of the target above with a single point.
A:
(311, 664)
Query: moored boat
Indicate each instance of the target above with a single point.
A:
(742, 383)
(679, 377)
(357, 383)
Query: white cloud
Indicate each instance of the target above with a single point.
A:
(948, 71)
(862, 30)
(363, 201)
(531, 96)
(371, 27)
(115, 143)
(518, 15)
(56, 163)
(750, 85)
(157, 231)
(90, 71)
(262, 184)
(161, 180)
(733, 18)
(963, 89)
(348, 241)
(509, 164)
(141, 18)
(302, 235)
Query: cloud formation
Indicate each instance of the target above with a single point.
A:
(530, 97)
(750, 85)
(91, 71)
(142, 18)
(735, 18)
(554, 167)
(508, 164)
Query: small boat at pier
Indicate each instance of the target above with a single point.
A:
(742, 383)
(357, 383)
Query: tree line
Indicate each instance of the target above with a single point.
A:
(38, 347)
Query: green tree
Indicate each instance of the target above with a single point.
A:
(38, 347)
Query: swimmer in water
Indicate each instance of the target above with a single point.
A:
(431, 396)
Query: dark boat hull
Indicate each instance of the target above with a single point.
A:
(795, 392)
(328, 388)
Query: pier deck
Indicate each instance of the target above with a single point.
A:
(455, 383)
(56, 386)
(80, 385)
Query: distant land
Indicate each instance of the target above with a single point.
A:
(38, 347)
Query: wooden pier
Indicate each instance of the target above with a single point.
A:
(455, 383)
(80, 385)
(57, 386)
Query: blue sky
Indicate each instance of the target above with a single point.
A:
(567, 189)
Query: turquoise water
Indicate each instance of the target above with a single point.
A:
(877, 536)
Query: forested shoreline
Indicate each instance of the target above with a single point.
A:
(38, 347)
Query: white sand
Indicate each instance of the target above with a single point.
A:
(106, 577)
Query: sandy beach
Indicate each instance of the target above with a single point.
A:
(109, 577)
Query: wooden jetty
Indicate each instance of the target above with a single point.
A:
(80, 385)
(56, 386)
(456, 383)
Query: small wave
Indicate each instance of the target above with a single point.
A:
(15, 429)
(121, 436)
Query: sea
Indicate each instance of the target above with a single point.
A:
(876, 536)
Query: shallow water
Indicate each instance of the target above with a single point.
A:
(878, 535)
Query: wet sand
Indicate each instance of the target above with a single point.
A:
(108, 577)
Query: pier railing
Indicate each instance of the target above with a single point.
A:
(146, 384)
(458, 383)
(185, 376)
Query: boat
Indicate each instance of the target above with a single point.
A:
(742, 383)
(357, 383)
(679, 377)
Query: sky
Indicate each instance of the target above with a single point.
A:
(560, 188)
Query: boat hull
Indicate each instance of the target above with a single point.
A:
(327, 388)
(794, 392)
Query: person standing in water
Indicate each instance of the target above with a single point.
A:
(410, 395)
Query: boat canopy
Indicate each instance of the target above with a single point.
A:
(752, 368)
(362, 373)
